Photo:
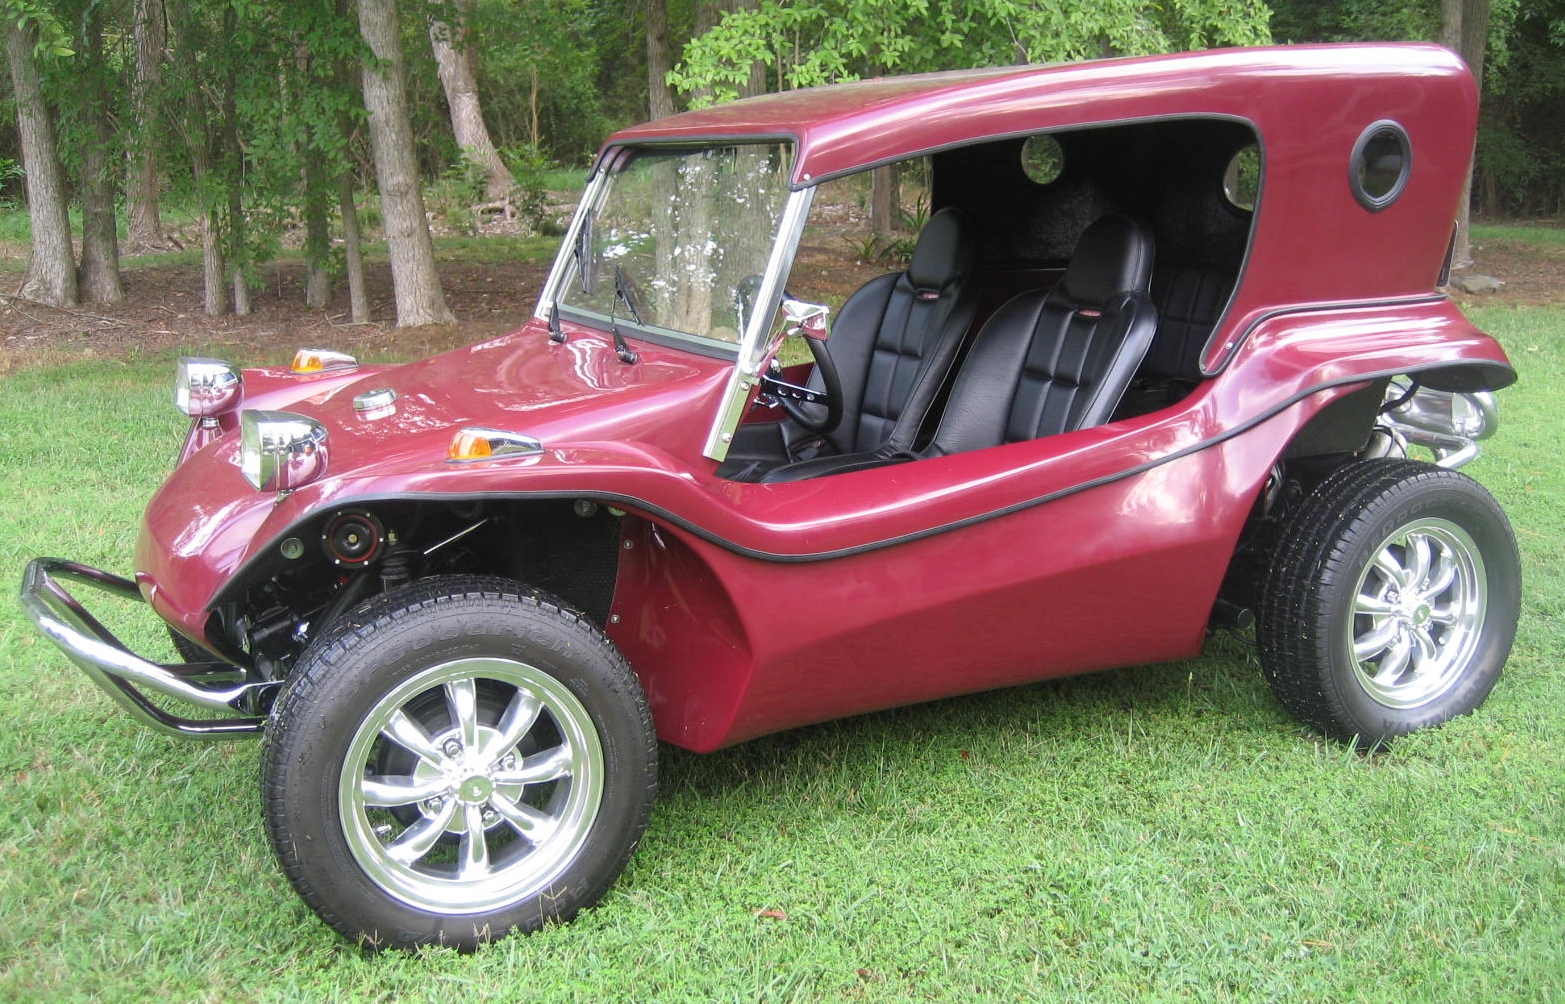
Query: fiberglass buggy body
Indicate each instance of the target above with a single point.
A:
(1154, 364)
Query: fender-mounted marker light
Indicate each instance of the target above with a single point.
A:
(472, 444)
(321, 360)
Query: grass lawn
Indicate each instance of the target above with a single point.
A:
(1161, 833)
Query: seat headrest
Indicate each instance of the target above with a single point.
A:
(1113, 256)
(945, 251)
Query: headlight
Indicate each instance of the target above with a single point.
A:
(280, 451)
(206, 388)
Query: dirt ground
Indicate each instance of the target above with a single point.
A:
(162, 311)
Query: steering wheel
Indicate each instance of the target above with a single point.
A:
(819, 411)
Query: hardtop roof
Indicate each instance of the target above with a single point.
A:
(845, 127)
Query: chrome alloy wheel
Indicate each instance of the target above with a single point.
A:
(1417, 613)
(471, 786)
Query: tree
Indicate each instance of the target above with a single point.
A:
(660, 97)
(149, 32)
(820, 41)
(1464, 28)
(420, 299)
(99, 276)
(448, 37)
(51, 274)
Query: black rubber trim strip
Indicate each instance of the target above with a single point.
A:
(629, 502)
(1415, 300)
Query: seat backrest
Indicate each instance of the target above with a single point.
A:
(895, 338)
(1189, 301)
(1057, 360)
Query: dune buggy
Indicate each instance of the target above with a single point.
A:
(1150, 354)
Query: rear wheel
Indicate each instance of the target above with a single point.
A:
(455, 760)
(1391, 603)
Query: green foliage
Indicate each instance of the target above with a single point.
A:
(821, 41)
(1521, 151)
(532, 172)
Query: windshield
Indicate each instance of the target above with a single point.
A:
(680, 239)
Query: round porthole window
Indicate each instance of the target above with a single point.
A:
(1242, 179)
(1042, 159)
(1382, 160)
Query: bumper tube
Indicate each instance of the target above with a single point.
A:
(127, 677)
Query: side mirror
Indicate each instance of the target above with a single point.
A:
(807, 319)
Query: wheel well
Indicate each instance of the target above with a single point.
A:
(1335, 435)
(339, 557)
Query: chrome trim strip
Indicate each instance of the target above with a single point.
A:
(120, 672)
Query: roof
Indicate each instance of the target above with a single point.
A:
(843, 127)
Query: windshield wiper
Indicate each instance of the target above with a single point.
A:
(622, 292)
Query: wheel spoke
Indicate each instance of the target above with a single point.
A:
(416, 841)
(546, 766)
(463, 697)
(1442, 576)
(1371, 644)
(1424, 650)
(1395, 663)
(1374, 605)
(407, 733)
(474, 862)
(520, 716)
(1388, 565)
(525, 819)
(384, 792)
(1415, 555)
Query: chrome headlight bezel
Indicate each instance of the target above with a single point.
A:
(207, 388)
(280, 451)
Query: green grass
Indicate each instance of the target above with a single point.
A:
(1161, 833)
(1546, 233)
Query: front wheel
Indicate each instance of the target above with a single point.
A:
(1391, 603)
(455, 760)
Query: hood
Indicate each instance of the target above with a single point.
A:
(206, 520)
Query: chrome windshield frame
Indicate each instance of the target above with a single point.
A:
(755, 347)
(590, 197)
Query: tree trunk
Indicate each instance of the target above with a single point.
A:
(99, 277)
(358, 300)
(1464, 28)
(882, 201)
(660, 96)
(459, 77)
(317, 238)
(234, 175)
(196, 129)
(420, 299)
(51, 274)
(150, 31)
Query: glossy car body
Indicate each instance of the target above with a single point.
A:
(620, 451)
(748, 608)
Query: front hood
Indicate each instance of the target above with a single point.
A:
(523, 382)
(207, 521)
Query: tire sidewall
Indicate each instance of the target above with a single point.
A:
(373, 651)
(1417, 497)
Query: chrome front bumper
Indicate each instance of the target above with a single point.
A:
(214, 687)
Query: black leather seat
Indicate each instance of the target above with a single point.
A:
(1048, 361)
(895, 338)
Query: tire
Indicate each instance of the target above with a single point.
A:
(455, 760)
(1391, 602)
